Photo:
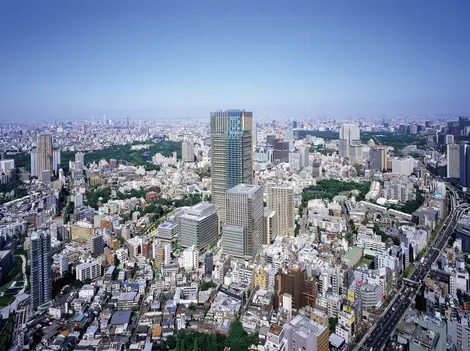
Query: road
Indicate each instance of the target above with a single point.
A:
(378, 336)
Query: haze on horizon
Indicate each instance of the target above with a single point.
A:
(146, 59)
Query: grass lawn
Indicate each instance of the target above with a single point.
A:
(365, 261)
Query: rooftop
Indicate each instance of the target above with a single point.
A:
(352, 253)
(244, 189)
(121, 317)
(306, 326)
(168, 224)
(336, 340)
(275, 329)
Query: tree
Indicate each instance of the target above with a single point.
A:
(205, 285)
(238, 339)
(213, 341)
(196, 345)
(171, 342)
(332, 321)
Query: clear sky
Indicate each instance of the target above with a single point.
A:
(183, 58)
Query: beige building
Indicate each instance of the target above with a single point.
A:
(81, 232)
(243, 233)
(260, 277)
(281, 200)
(231, 154)
(270, 224)
(44, 153)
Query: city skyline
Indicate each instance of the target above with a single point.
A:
(167, 60)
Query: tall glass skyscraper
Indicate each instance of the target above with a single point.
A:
(231, 153)
(41, 273)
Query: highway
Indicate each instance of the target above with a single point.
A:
(376, 339)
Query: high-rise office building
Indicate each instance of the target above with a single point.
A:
(80, 157)
(243, 233)
(281, 151)
(41, 273)
(453, 161)
(349, 142)
(304, 157)
(231, 153)
(187, 151)
(464, 165)
(34, 163)
(198, 226)
(355, 152)
(56, 162)
(403, 166)
(254, 135)
(270, 228)
(378, 158)
(281, 200)
(44, 153)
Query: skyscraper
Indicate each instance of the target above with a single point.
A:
(44, 153)
(281, 200)
(231, 153)
(79, 157)
(41, 273)
(187, 151)
(34, 163)
(349, 135)
(243, 233)
(453, 161)
(56, 161)
(378, 158)
(464, 165)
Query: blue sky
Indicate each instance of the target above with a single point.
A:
(184, 58)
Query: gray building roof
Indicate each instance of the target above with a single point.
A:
(121, 317)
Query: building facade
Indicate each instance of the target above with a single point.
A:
(44, 153)
(281, 200)
(231, 154)
(243, 232)
(349, 134)
(41, 271)
(187, 151)
(198, 226)
(453, 161)
(378, 158)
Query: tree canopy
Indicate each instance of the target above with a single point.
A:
(238, 339)
(189, 341)
(328, 189)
